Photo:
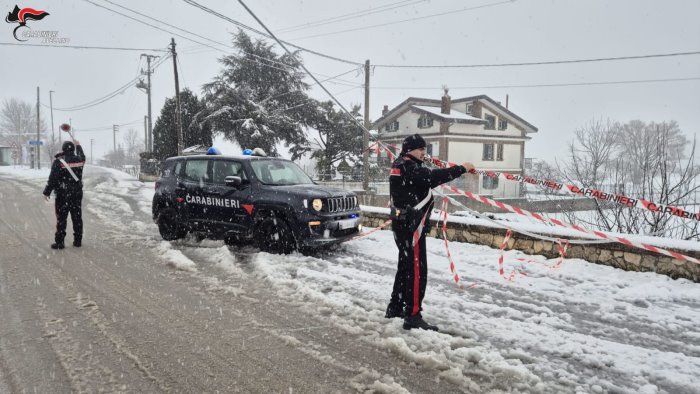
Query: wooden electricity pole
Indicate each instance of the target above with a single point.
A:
(365, 135)
(178, 113)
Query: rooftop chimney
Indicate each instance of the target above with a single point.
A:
(446, 102)
(385, 110)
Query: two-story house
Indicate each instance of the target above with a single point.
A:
(472, 129)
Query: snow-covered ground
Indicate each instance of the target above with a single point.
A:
(579, 328)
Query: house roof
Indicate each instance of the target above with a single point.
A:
(497, 105)
(418, 102)
(456, 115)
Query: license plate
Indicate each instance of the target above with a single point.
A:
(347, 223)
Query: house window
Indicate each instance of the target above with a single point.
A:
(502, 124)
(489, 183)
(490, 122)
(469, 108)
(488, 152)
(393, 126)
(425, 122)
(499, 152)
(429, 149)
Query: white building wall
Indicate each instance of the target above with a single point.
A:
(473, 151)
(408, 125)
(510, 131)
(467, 151)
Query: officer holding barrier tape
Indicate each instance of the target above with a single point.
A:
(410, 186)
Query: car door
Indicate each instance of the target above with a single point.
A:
(232, 204)
(195, 179)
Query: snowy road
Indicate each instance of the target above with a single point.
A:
(129, 312)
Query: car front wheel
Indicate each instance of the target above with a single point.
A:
(273, 235)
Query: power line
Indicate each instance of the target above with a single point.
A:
(404, 20)
(82, 47)
(167, 24)
(182, 74)
(246, 27)
(352, 15)
(147, 24)
(281, 43)
(109, 127)
(189, 32)
(110, 95)
(599, 59)
(544, 85)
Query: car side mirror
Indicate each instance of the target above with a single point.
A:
(233, 181)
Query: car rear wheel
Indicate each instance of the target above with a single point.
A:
(168, 226)
(273, 235)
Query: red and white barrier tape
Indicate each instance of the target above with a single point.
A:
(629, 202)
(362, 235)
(562, 254)
(501, 270)
(597, 234)
(453, 268)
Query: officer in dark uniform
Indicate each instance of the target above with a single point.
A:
(66, 180)
(410, 186)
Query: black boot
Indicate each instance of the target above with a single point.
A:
(57, 246)
(394, 310)
(416, 321)
(77, 243)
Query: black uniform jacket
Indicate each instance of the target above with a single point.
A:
(60, 180)
(410, 182)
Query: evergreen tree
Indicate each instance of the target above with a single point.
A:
(258, 99)
(340, 138)
(194, 131)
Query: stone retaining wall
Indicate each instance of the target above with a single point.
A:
(613, 254)
(564, 205)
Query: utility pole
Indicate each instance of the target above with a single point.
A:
(149, 140)
(53, 135)
(115, 128)
(145, 132)
(365, 135)
(178, 113)
(91, 141)
(38, 129)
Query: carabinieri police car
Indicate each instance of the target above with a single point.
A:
(264, 201)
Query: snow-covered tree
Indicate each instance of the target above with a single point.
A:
(339, 138)
(651, 161)
(259, 97)
(133, 144)
(194, 131)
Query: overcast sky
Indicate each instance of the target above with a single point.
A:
(430, 32)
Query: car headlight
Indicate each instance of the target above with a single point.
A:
(317, 204)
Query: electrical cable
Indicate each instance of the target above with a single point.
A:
(147, 24)
(360, 125)
(186, 31)
(404, 20)
(109, 127)
(543, 85)
(82, 47)
(352, 15)
(112, 94)
(167, 24)
(600, 59)
(268, 35)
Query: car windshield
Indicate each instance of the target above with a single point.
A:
(279, 172)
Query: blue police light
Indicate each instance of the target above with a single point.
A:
(213, 151)
(248, 152)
